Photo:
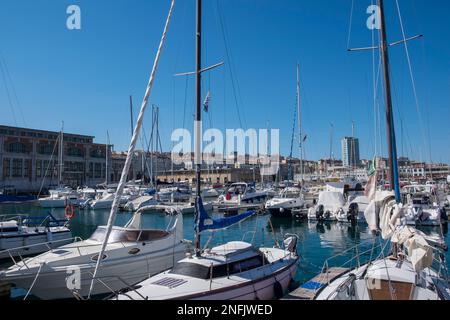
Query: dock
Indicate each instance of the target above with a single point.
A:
(309, 289)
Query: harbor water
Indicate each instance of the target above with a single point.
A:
(317, 241)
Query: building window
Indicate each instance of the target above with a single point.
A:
(98, 171)
(97, 153)
(38, 168)
(91, 170)
(6, 168)
(77, 167)
(27, 168)
(16, 147)
(17, 168)
(45, 148)
(75, 152)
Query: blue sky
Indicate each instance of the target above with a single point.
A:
(84, 77)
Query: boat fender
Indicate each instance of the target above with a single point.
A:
(278, 290)
(444, 216)
(49, 236)
(320, 212)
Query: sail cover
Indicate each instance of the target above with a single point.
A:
(205, 222)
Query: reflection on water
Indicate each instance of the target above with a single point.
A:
(318, 241)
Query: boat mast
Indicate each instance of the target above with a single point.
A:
(388, 101)
(61, 150)
(106, 157)
(132, 147)
(198, 118)
(299, 124)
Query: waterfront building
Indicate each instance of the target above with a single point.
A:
(29, 159)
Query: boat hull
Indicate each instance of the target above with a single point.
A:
(259, 289)
(6, 199)
(56, 283)
(55, 203)
(30, 244)
(280, 212)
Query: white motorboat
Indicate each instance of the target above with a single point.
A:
(353, 210)
(59, 198)
(329, 205)
(241, 193)
(423, 209)
(179, 193)
(25, 235)
(210, 193)
(290, 198)
(132, 254)
(103, 201)
(106, 199)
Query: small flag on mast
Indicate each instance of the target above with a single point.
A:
(206, 103)
(371, 186)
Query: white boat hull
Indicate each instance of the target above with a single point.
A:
(55, 283)
(55, 203)
(33, 243)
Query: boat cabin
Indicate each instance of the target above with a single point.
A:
(222, 261)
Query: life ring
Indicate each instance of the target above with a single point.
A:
(70, 212)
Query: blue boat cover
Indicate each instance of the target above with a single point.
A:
(312, 285)
(205, 222)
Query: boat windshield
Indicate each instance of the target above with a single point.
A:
(236, 189)
(128, 235)
(290, 194)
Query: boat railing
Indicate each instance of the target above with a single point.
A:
(35, 221)
(439, 260)
(252, 232)
(358, 252)
(17, 250)
(127, 287)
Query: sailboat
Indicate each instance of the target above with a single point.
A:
(234, 270)
(61, 196)
(113, 258)
(291, 198)
(415, 269)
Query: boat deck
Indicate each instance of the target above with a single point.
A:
(309, 289)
